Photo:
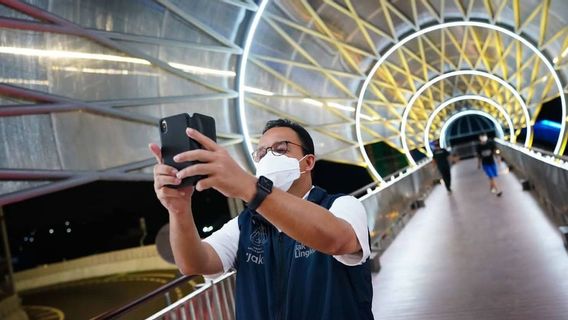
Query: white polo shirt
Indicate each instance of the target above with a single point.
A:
(225, 241)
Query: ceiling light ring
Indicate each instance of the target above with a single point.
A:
(431, 28)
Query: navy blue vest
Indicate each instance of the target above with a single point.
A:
(279, 278)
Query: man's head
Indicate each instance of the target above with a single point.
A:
(302, 134)
(483, 138)
(436, 144)
(283, 137)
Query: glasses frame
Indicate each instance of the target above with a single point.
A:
(255, 153)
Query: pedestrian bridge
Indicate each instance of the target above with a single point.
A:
(464, 255)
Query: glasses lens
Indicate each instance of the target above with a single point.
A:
(279, 148)
(258, 154)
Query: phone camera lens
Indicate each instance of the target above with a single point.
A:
(164, 126)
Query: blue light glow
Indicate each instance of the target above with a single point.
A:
(549, 123)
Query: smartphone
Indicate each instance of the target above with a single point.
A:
(175, 140)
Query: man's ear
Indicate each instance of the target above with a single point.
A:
(310, 162)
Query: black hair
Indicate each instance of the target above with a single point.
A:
(305, 138)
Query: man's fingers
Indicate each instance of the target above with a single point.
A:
(156, 151)
(166, 192)
(162, 169)
(202, 139)
(199, 169)
(204, 184)
(167, 180)
(195, 155)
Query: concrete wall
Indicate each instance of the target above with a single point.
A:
(128, 260)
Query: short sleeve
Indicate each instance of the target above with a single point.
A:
(225, 242)
(352, 210)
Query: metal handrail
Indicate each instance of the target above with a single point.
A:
(374, 184)
(114, 313)
(550, 153)
(223, 302)
(395, 174)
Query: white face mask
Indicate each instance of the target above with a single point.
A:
(281, 170)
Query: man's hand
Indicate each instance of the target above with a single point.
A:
(223, 173)
(175, 200)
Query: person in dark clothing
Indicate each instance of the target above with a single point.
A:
(299, 252)
(486, 153)
(442, 159)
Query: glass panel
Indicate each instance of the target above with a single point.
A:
(7, 12)
(13, 186)
(146, 18)
(218, 109)
(92, 142)
(77, 68)
(28, 142)
(176, 28)
(4, 101)
(125, 16)
(221, 17)
(213, 67)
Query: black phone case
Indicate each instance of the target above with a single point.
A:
(175, 140)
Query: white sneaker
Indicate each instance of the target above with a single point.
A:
(493, 190)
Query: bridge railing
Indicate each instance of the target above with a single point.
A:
(543, 172)
(215, 300)
(388, 206)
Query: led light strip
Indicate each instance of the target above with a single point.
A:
(70, 54)
(201, 70)
(390, 182)
(241, 79)
(454, 117)
(536, 155)
(444, 76)
(25, 81)
(448, 102)
(402, 42)
(63, 54)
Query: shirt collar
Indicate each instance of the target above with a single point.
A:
(308, 193)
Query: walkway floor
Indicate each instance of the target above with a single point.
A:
(471, 255)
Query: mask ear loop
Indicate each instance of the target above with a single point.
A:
(304, 157)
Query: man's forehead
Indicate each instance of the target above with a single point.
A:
(278, 134)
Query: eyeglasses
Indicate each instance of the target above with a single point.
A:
(278, 149)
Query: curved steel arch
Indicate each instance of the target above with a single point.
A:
(464, 113)
(461, 98)
(241, 81)
(428, 84)
(414, 35)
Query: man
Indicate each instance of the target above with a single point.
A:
(441, 158)
(299, 252)
(486, 157)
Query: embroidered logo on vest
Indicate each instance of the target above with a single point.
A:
(257, 238)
